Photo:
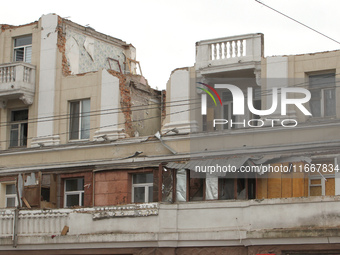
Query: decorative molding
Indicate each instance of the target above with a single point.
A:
(257, 73)
(3, 103)
(27, 98)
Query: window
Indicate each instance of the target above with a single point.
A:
(319, 186)
(227, 100)
(11, 196)
(237, 188)
(80, 119)
(196, 186)
(23, 49)
(74, 192)
(19, 125)
(322, 182)
(322, 88)
(241, 121)
(142, 188)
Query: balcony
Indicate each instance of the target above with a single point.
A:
(214, 223)
(17, 81)
(227, 54)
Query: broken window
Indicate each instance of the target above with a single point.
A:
(196, 189)
(167, 185)
(48, 191)
(322, 88)
(11, 196)
(226, 189)
(74, 192)
(211, 190)
(19, 126)
(237, 188)
(80, 119)
(181, 185)
(142, 188)
(23, 49)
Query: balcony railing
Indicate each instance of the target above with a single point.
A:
(243, 50)
(269, 221)
(17, 80)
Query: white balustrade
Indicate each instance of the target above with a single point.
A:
(17, 72)
(243, 50)
(34, 222)
(227, 49)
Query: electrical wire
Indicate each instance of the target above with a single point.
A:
(168, 104)
(113, 125)
(99, 113)
(298, 22)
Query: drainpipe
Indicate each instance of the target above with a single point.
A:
(15, 227)
(158, 135)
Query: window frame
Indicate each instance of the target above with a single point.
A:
(81, 193)
(81, 116)
(11, 196)
(4, 194)
(138, 185)
(21, 141)
(238, 118)
(25, 49)
(322, 176)
(322, 90)
(232, 117)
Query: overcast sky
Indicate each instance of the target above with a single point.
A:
(164, 32)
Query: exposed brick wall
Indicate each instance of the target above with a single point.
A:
(8, 178)
(88, 188)
(125, 100)
(6, 26)
(163, 104)
(61, 46)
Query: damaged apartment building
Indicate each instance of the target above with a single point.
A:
(93, 160)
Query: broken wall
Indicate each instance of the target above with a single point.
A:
(85, 53)
(146, 107)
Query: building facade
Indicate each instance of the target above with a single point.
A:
(95, 161)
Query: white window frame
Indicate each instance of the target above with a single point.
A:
(25, 47)
(77, 192)
(80, 119)
(138, 185)
(4, 196)
(11, 196)
(322, 184)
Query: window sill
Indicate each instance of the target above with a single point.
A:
(79, 141)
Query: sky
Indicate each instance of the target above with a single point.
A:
(164, 32)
